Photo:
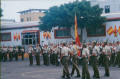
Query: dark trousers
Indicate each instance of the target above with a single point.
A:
(95, 66)
(10, 56)
(106, 65)
(64, 62)
(16, 56)
(22, 55)
(75, 65)
(1, 56)
(37, 56)
(85, 72)
(4, 57)
(31, 59)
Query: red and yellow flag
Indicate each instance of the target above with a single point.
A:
(110, 30)
(115, 31)
(119, 30)
(77, 40)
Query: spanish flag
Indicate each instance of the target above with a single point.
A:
(119, 30)
(115, 31)
(77, 40)
(110, 30)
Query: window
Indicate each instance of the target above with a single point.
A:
(107, 8)
(96, 31)
(5, 36)
(62, 33)
(22, 20)
(30, 38)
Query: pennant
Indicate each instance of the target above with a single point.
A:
(115, 31)
(110, 30)
(119, 30)
(77, 40)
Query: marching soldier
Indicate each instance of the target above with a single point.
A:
(118, 53)
(94, 55)
(30, 51)
(10, 50)
(16, 53)
(1, 54)
(37, 55)
(106, 52)
(65, 51)
(74, 49)
(4, 54)
(85, 55)
(46, 55)
(22, 52)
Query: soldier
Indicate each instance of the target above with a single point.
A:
(4, 54)
(65, 51)
(46, 55)
(85, 55)
(10, 53)
(16, 53)
(75, 49)
(95, 53)
(106, 53)
(118, 53)
(37, 55)
(22, 52)
(30, 51)
(1, 55)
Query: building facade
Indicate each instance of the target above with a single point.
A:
(32, 15)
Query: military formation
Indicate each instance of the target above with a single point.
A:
(11, 53)
(94, 54)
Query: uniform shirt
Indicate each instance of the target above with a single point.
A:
(85, 52)
(30, 50)
(11, 49)
(106, 50)
(74, 49)
(65, 51)
(117, 48)
(22, 50)
(4, 50)
(38, 49)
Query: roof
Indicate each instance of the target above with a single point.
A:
(19, 24)
(29, 10)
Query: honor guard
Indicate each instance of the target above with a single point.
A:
(46, 55)
(75, 49)
(22, 52)
(30, 52)
(94, 55)
(1, 54)
(65, 51)
(10, 53)
(106, 52)
(4, 54)
(37, 55)
(16, 53)
(118, 53)
(85, 58)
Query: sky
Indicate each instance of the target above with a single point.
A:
(11, 7)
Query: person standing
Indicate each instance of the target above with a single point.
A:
(106, 52)
(118, 53)
(10, 53)
(37, 55)
(65, 51)
(30, 51)
(1, 55)
(22, 52)
(16, 53)
(85, 58)
(94, 55)
(75, 49)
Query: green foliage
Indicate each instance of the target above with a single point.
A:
(0, 12)
(63, 16)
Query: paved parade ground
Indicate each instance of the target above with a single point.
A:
(22, 70)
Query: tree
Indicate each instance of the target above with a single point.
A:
(0, 12)
(63, 16)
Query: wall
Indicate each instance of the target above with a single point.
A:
(14, 31)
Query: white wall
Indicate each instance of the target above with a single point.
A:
(14, 31)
